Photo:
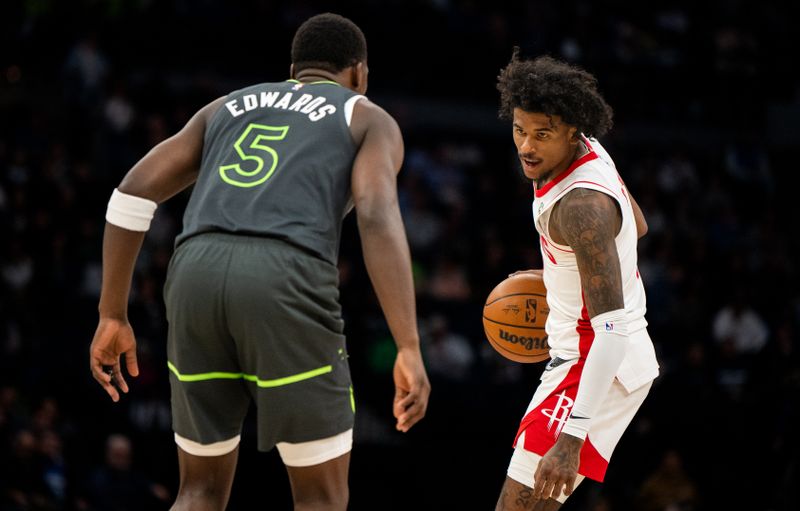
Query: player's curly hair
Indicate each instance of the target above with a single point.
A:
(328, 41)
(546, 85)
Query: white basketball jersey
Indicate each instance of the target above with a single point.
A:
(568, 325)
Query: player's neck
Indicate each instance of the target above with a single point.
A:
(580, 151)
(316, 75)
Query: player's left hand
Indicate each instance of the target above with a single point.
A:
(412, 388)
(113, 338)
(558, 469)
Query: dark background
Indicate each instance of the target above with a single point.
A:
(705, 96)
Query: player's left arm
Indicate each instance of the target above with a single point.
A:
(168, 168)
(588, 221)
(638, 216)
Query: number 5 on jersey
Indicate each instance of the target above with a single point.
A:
(234, 174)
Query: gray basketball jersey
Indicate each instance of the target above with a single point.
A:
(277, 160)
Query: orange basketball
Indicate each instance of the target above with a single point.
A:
(514, 317)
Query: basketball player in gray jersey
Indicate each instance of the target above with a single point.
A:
(252, 288)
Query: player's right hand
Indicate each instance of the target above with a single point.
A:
(412, 388)
(113, 338)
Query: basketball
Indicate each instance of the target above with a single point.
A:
(514, 317)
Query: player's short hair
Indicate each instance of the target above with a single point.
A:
(546, 85)
(328, 41)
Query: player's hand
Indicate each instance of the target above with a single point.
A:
(558, 469)
(412, 388)
(113, 338)
(538, 272)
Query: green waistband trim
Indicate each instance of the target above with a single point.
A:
(218, 375)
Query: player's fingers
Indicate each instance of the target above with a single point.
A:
(407, 400)
(412, 415)
(549, 489)
(399, 403)
(538, 482)
(111, 391)
(569, 486)
(119, 378)
(105, 381)
(403, 412)
(131, 363)
(99, 374)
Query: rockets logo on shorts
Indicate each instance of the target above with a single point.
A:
(559, 413)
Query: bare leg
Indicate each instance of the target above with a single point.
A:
(515, 496)
(205, 481)
(321, 487)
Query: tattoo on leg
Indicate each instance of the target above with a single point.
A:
(517, 497)
(524, 498)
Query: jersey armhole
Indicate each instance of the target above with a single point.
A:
(349, 105)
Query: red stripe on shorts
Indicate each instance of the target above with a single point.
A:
(543, 424)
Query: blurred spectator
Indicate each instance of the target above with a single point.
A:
(23, 477)
(54, 469)
(86, 68)
(448, 355)
(118, 486)
(669, 488)
(737, 323)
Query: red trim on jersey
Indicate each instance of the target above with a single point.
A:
(591, 155)
(612, 192)
(585, 331)
(538, 438)
(544, 245)
(553, 244)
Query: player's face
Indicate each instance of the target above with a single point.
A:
(545, 144)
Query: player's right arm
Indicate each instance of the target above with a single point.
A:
(168, 168)
(588, 221)
(386, 252)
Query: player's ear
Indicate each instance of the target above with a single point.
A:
(358, 77)
(574, 135)
(291, 71)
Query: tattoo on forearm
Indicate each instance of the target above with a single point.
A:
(588, 220)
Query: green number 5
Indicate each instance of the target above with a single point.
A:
(235, 175)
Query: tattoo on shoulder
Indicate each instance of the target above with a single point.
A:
(588, 220)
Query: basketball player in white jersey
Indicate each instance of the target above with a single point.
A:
(603, 361)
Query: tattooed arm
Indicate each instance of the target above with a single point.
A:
(588, 221)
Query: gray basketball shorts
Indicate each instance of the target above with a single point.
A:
(255, 320)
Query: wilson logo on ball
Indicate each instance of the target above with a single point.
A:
(529, 343)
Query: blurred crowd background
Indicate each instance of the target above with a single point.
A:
(706, 96)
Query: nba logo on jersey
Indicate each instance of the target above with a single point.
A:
(297, 86)
(609, 326)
